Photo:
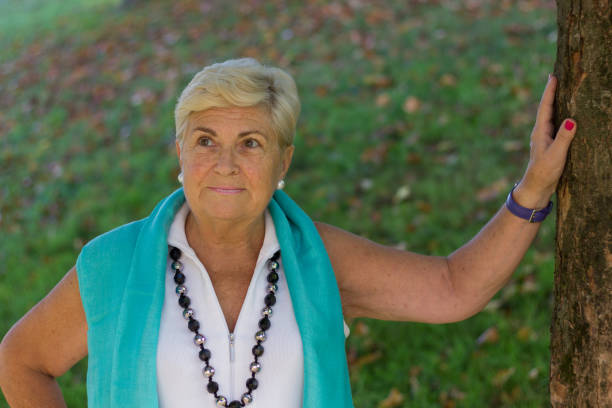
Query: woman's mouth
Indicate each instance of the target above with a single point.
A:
(226, 190)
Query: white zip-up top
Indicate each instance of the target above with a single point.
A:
(180, 382)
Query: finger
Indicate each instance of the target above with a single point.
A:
(545, 109)
(563, 139)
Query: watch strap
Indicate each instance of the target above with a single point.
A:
(528, 214)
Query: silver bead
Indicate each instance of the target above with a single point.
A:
(187, 313)
(221, 401)
(180, 177)
(260, 335)
(266, 311)
(181, 290)
(255, 367)
(177, 265)
(208, 371)
(273, 265)
(199, 339)
(247, 398)
(272, 287)
(280, 185)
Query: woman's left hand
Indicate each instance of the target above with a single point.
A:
(547, 155)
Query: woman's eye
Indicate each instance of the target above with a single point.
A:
(205, 141)
(251, 143)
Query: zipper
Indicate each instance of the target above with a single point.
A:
(231, 346)
(231, 353)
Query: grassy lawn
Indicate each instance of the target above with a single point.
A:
(415, 124)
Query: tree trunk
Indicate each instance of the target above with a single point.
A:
(581, 330)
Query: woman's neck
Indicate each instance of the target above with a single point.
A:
(214, 241)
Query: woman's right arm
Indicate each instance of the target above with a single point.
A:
(43, 345)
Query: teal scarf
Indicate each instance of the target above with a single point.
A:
(121, 280)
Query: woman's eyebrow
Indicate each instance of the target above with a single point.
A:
(241, 134)
(248, 132)
(205, 129)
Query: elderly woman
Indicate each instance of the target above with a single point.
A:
(228, 294)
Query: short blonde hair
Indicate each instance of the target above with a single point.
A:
(242, 82)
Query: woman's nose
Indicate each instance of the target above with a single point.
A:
(226, 162)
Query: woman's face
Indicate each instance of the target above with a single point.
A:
(231, 163)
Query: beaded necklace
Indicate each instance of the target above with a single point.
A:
(204, 354)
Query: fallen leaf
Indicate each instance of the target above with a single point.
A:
(517, 29)
(375, 154)
(394, 399)
(411, 104)
(491, 335)
(493, 305)
(502, 376)
(448, 80)
(521, 118)
(513, 145)
(366, 184)
(378, 81)
(448, 398)
(492, 191)
(361, 329)
(383, 100)
(524, 333)
(523, 94)
(365, 359)
(413, 158)
(322, 90)
(414, 380)
(401, 194)
(424, 207)
(495, 68)
(530, 284)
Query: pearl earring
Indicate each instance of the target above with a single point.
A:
(180, 177)
(280, 185)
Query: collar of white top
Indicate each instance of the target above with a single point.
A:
(178, 238)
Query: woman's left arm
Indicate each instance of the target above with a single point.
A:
(385, 283)
(482, 266)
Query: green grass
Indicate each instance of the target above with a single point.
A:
(86, 144)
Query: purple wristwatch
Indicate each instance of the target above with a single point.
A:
(530, 215)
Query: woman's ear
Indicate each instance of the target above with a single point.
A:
(178, 153)
(287, 155)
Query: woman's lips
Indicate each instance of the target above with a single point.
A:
(226, 190)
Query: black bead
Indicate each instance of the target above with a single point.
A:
(270, 299)
(179, 278)
(184, 301)
(258, 350)
(204, 354)
(275, 256)
(273, 277)
(251, 384)
(175, 253)
(264, 324)
(193, 324)
(235, 404)
(212, 387)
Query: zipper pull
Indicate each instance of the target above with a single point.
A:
(231, 346)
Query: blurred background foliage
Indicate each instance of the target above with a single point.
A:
(415, 124)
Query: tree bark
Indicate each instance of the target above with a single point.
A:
(581, 329)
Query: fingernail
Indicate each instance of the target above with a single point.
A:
(569, 125)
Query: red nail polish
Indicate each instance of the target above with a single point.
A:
(569, 125)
